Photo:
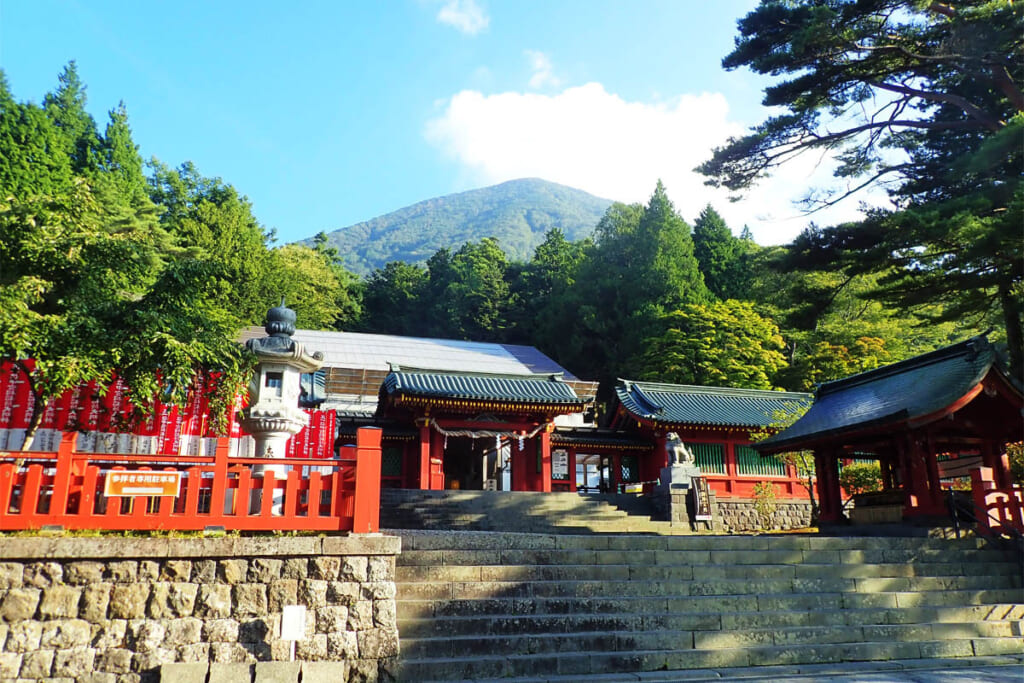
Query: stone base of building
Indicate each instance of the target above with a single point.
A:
(677, 508)
(740, 514)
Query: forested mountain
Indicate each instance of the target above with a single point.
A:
(517, 213)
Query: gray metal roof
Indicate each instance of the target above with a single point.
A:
(912, 389)
(380, 351)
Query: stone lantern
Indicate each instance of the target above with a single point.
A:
(273, 415)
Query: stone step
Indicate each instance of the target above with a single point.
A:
(701, 579)
(610, 637)
(788, 564)
(988, 592)
(588, 663)
(848, 549)
(717, 624)
(734, 612)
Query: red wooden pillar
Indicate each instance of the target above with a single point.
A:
(424, 457)
(572, 469)
(919, 498)
(517, 459)
(907, 475)
(936, 502)
(615, 476)
(437, 459)
(731, 470)
(888, 481)
(650, 466)
(993, 455)
(829, 500)
(366, 516)
(544, 449)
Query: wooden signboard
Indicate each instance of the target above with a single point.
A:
(701, 500)
(120, 483)
(560, 464)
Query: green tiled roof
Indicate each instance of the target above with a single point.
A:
(680, 404)
(894, 394)
(528, 389)
(591, 436)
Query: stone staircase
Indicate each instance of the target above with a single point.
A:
(533, 607)
(519, 511)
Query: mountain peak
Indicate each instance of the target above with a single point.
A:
(516, 212)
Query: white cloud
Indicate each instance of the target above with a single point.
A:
(465, 15)
(594, 140)
(543, 72)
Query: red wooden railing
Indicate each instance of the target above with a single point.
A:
(66, 488)
(999, 508)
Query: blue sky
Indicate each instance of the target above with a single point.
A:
(329, 113)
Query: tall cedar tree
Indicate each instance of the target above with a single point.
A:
(640, 267)
(719, 255)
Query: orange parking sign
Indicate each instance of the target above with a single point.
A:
(124, 483)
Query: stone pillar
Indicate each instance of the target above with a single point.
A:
(674, 491)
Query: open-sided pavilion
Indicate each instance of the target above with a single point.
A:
(918, 418)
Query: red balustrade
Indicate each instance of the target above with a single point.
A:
(66, 489)
(998, 508)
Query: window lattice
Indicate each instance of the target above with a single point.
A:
(629, 469)
(710, 457)
(391, 462)
(750, 462)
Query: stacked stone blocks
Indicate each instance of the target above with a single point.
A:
(116, 610)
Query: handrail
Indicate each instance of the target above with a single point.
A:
(963, 508)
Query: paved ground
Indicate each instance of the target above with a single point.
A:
(1003, 669)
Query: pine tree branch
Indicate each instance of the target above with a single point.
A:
(984, 118)
(1005, 82)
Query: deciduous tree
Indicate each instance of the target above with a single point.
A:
(724, 344)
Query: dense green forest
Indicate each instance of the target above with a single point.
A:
(111, 263)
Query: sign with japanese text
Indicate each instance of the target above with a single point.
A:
(701, 500)
(123, 483)
(560, 464)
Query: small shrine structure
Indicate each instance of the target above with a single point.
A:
(716, 424)
(473, 427)
(916, 418)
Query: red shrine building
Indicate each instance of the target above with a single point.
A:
(471, 415)
(925, 420)
(717, 425)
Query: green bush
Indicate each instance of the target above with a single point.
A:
(861, 478)
(1015, 451)
(764, 502)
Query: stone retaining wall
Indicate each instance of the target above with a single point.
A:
(739, 514)
(114, 610)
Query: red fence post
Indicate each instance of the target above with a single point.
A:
(219, 480)
(62, 476)
(366, 516)
(981, 484)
